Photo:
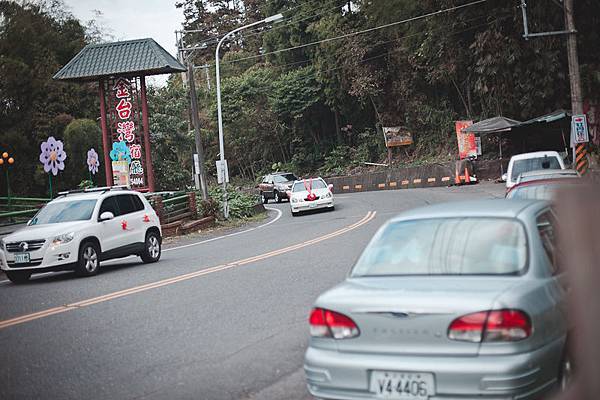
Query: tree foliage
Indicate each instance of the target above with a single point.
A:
(36, 39)
(319, 105)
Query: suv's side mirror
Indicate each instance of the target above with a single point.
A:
(504, 177)
(330, 187)
(106, 216)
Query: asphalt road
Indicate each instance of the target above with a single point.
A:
(221, 319)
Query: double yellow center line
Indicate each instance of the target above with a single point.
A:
(137, 289)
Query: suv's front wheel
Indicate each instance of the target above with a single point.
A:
(152, 248)
(88, 262)
(18, 276)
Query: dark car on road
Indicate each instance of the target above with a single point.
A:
(274, 186)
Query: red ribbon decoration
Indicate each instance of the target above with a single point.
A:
(124, 225)
(146, 218)
(311, 196)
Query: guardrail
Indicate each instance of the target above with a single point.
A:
(174, 207)
(15, 210)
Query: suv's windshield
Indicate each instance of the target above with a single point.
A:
(448, 246)
(64, 211)
(284, 178)
(316, 184)
(533, 164)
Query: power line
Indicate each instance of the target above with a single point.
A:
(361, 31)
(259, 30)
(400, 38)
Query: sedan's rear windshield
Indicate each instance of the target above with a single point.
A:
(64, 211)
(533, 164)
(446, 246)
(534, 192)
(302, 186)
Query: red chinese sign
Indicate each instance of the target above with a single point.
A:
(467, 146)
(124, 121)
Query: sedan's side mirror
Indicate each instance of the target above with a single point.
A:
(330, 187)
(504, 177)
(106, 216)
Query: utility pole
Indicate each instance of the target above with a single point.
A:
(580, 162)
(196, 122)
(573, 60)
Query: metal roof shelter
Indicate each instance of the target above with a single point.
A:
(120, 68)
(126, 58)
(528, 130)
(492, 125)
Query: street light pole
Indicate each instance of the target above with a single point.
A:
(274, 18)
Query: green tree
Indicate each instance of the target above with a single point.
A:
(80, 136)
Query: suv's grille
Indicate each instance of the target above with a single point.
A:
(32, 245)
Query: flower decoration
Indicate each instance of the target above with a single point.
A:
(120, 152)
(53, 155)
(92, 161)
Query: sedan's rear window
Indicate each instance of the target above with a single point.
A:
(446, 246)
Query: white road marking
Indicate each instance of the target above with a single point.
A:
(279, 214)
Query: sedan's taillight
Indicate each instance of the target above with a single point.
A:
(326, 323)
(491, 326)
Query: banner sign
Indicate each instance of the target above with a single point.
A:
(579, 129)
(397, 136)
(467, 146)
(120, 173)
(124, 121)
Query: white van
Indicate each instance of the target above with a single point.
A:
(531, 162)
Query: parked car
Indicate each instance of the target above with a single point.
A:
(275, 186)
(78, 230)
(453, 301)
(310, 194)
(526, 162)
(541, 185)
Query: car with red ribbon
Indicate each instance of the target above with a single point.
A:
(80, 229)
(310, 194)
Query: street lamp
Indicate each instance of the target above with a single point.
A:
(6, 161)
(223, 170)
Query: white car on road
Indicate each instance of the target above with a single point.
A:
(310, 194)
(78, 230)
(526, 162)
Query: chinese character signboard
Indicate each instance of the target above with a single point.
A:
(124, 124)
(467, 145)
(397, 136)
(579, 129)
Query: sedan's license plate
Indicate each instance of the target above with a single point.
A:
(22, 258)
(402, 385)
(312, 205)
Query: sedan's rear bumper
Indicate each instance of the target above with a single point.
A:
(346, 376)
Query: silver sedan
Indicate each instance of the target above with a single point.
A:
(454, 301)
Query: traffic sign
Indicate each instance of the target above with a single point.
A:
(579, 129)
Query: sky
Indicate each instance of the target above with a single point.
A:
(134, 19)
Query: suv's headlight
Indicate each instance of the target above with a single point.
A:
(62, 239)
(328, 195)
(2, 244)
(294, 199)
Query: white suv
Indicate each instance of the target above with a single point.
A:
(79, 229)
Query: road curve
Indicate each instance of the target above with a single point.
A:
(223, 319)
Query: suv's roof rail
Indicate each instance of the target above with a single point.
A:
(96, 189)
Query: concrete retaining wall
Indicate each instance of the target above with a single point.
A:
(431, 175)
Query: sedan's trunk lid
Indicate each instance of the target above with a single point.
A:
(411, 315)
